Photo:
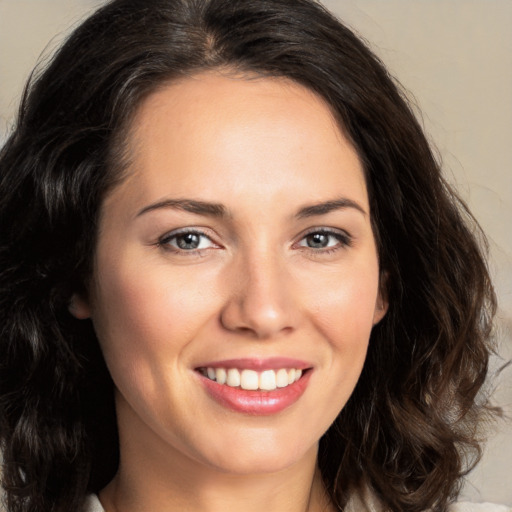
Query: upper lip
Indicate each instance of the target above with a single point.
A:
(251, 363)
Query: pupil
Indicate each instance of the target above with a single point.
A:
(188, 241)
(318, 240)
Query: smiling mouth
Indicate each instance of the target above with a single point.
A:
(252, 380)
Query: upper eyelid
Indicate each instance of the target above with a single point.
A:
(182, 231)
(326, 230)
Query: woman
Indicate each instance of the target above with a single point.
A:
(241, 279)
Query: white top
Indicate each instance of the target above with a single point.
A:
(93, 505)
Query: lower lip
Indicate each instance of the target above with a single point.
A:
(256, 402)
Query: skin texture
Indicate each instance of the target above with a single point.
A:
(264, 149)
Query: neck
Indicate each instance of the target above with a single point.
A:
(282, 492)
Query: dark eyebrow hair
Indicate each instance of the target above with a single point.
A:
(188, 205)
(329, 206)
(219, 210)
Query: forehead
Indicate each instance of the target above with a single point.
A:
(262, 136)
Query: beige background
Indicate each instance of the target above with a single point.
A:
(456, 58)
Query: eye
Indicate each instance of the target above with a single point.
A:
(187, 241)
(325, 239)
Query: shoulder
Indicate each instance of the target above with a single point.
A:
(92, 504)
(369, 503)
(479, 507)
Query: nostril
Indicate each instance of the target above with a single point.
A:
(258, 323)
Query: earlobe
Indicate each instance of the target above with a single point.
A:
(381, 304)
(381, 308)
(79, 307)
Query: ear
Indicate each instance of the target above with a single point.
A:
(382, 303)
(79, 307)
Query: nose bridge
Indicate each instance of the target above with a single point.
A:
(260, 302)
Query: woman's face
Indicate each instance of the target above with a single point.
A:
(239, 247)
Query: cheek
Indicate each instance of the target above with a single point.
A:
(124, 311)
(146, 312)
(344, 307)
(144, 321)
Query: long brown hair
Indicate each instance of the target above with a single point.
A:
(409, 431)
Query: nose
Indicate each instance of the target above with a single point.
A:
(261, 301)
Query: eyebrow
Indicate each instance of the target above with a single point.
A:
(219, 210)
(329, 206)
(188, 205)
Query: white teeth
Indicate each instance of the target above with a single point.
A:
(220, 375)
(266, 380)
(249, 379)
(233, 379)
(282, 378)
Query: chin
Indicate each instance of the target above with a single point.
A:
(260, 456)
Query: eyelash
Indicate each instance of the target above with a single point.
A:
(343, 238)
(164, 242)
